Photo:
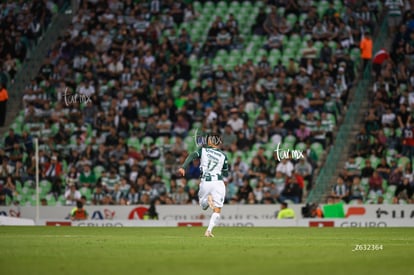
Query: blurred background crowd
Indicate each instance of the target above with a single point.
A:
(124, 90)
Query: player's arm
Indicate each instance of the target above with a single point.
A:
(225, 169)
(194, 155)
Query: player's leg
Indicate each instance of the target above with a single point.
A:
(217, 197)
(210, 201)
(215, 217)
(203, 196)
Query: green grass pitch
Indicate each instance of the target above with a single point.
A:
(88, 250)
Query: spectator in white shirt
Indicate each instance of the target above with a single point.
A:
(285, 167)
(85, 88)
(235, 122)
(115, 67)
(210, 115)
(309, 51)
(148, 59)
(72, 195)
(388, 118)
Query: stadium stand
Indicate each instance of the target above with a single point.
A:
(22, 25)
(381, 162)
(120, 95)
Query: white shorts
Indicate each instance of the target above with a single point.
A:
(216, 188)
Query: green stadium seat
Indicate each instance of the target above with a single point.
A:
(209, 5)
(61, 200)
(51, 201)
(234, 4)
(360, 161)
(289, 52)
(384, 184)
(301, 146)
(222, 5)
(285, 116)
(247, 4)
(321, 9)
(232, 59)
(302, 18)
(46, 184)
(331, 118)
(280, 11)
(197, 6)
(232, 190)
(402, 161)
(333, 45)
(291, 18)
(295, 38)
(275, 53)
(86, 192)
(287, 145)
(374, 161)
(192, 184)
(33, 200)
(398, 132)
(273, 60)
(98, 169)
(372, 196)
(317, 148)
(285, 59)
(220, 60)
(391, 189)
(291, 139)
(261, 52)
(134, 142)
(355, 54)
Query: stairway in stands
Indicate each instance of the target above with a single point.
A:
(31, 66)
(351, 124)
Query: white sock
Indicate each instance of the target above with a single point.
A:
(213, 221)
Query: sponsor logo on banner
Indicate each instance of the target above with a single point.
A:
(230, 217)
(355, 211)
(321, 224)
(189, 224)
(137, 213)
(395, 214)
(363, 224)
(12, 213)
(183, 217)
(100, 224)
(236, 224)
(58, 223)
(108, 215)
(191, 213)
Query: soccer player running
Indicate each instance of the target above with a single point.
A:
(213, 166)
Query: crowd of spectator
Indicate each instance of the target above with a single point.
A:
(21, 25)
(111, 129)
(380, 167)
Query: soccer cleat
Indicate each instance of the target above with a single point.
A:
(208, 234)
(210, 201)
(204, 206)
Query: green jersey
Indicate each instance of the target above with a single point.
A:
(213, 163)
